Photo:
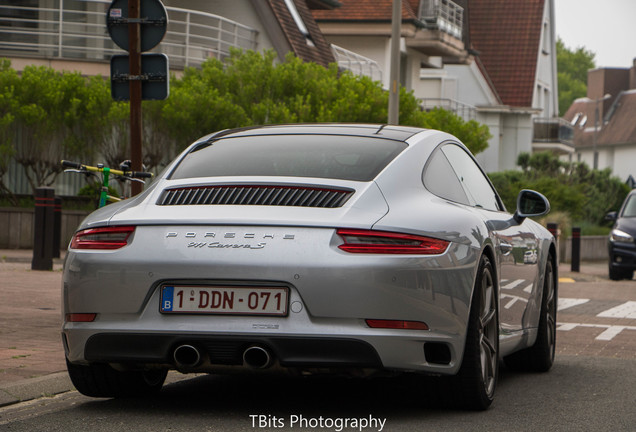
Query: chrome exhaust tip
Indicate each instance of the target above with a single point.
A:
(257, 357)
(187, 356)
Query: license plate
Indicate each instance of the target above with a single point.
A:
(224, 300)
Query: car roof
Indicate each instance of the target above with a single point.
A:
(400, 133)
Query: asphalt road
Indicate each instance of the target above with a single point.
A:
(579, 394)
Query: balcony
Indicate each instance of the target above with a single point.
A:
(465, 111)
(443, 30)
(73, 29)
(356, 64)
(444, 15)
(553, 134)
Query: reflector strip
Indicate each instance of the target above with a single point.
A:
(397, 324)
(80, 317)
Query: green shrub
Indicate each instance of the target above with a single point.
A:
(583, 194)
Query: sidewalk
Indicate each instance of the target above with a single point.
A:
(31, 355)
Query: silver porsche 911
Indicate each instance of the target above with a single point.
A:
(312, 248)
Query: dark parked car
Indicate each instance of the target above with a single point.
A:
(622, 249)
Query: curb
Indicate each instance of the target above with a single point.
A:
(57, 383)
(34, 388)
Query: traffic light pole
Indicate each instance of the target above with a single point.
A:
(135, 91)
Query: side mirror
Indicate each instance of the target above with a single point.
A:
(530, 204)
(611, 216)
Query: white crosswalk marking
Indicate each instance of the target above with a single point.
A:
(626, 310)
(514, 299)
(565, 303)
(610, 330)
(610, 333)
(513, 284)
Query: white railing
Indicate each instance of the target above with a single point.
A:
(357, 64)
(465, 111)
(76, 29)
(444, 15)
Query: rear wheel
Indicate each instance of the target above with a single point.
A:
(475, 383)
(540, 356)
(101, 380)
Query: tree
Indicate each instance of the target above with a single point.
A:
(572, 67)
(57, 116)
(46, 115)
(250, 89)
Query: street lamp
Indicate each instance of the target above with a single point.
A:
(596, 116)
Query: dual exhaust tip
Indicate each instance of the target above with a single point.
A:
(255, 357)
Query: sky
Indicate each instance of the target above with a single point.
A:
(605, 27)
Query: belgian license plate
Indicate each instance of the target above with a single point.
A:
(232, 300)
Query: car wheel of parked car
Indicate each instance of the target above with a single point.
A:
(540, 356)
(101, 380)
(619, 274)
(477, 378)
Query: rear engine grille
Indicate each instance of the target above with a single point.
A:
(268, 195)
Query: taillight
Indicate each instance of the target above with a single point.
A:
(397, 324)
(382, 242)
(102, 238)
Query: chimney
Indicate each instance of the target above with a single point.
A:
(610, 81)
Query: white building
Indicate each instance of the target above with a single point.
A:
(510, 81)
(604, 126)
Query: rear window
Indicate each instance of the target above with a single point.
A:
(322, 156)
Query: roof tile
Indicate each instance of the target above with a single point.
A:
(367, 10)
(321, 52)
(507, 34)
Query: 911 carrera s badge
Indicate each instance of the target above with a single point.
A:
(219, 245)
(227, 237)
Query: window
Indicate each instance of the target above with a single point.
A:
(474, 183)
(546, 38)
(440, 179)
(299, 21)
(321, 156)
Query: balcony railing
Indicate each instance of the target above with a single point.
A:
(357, 64)
(553, 129)
(72, 29)
(553, 134)
(444, 15)
(465, 111)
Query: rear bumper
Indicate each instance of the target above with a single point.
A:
(223, 350)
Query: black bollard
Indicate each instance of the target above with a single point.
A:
(57, 227)
(576, 249)
(43, 229)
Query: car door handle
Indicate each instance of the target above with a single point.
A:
(505, 248)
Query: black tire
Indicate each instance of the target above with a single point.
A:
(101, 380)
(540, 356)
(617, 274)
(474, 385)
